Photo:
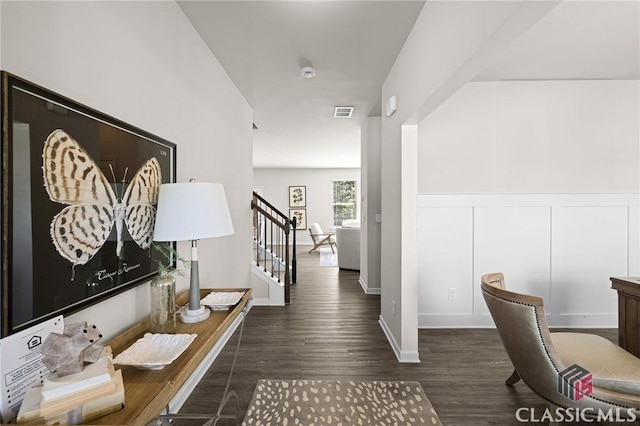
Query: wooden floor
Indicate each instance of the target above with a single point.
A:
(331, 331)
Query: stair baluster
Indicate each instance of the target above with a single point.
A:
(273, 254)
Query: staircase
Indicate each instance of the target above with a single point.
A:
(274, 258)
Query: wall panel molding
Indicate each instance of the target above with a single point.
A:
(562, 247)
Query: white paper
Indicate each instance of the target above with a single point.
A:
(21, 364)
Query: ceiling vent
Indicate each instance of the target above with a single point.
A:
(343, 112)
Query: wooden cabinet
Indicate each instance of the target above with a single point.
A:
(628, 313)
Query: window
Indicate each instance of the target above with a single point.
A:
(344, 201)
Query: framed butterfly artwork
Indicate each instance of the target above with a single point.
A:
(79, 190)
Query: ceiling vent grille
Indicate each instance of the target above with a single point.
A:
(343, 112)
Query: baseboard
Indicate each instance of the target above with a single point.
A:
(402, 356)
(485, 320)
(455, 321)
(368, 290)
(583, 320)
(262, 301)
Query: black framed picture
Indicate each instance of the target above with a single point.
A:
(79, 190)
(301, 217)
(297, 196)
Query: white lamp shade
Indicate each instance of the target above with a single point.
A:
(192, 211)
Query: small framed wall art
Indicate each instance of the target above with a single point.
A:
(301, 217)
(297, 196)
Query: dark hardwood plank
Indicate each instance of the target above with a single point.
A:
(331, 331)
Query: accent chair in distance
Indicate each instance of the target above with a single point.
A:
(320, 238)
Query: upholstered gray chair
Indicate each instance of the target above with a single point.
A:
(539, 356)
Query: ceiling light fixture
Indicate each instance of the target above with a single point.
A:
(308, 72)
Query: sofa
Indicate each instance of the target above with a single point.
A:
(348, 242)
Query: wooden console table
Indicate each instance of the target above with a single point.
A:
(628, 313)
(149, 392)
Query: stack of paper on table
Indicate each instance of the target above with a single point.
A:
(76, 398)
(93, 375)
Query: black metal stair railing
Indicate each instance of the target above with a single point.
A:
(272, 237)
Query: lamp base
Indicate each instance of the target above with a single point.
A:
(190, 316)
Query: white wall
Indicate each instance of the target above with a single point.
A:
(533, 137)
(143, 63)
(554, 165)
(371, 182)
(319, 207)
(449, 44)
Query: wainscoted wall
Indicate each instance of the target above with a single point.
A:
(562, 247)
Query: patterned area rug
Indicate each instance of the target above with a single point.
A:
(327, 257)
(339, 403)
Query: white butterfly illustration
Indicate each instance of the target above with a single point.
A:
(72, 177)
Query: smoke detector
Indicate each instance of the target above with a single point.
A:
(308, 72)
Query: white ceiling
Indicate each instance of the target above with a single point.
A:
(263, 45)
(586, 40)
(352, 44)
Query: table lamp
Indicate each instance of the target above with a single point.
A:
(190, 212)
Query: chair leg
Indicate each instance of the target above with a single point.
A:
(515, 378)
